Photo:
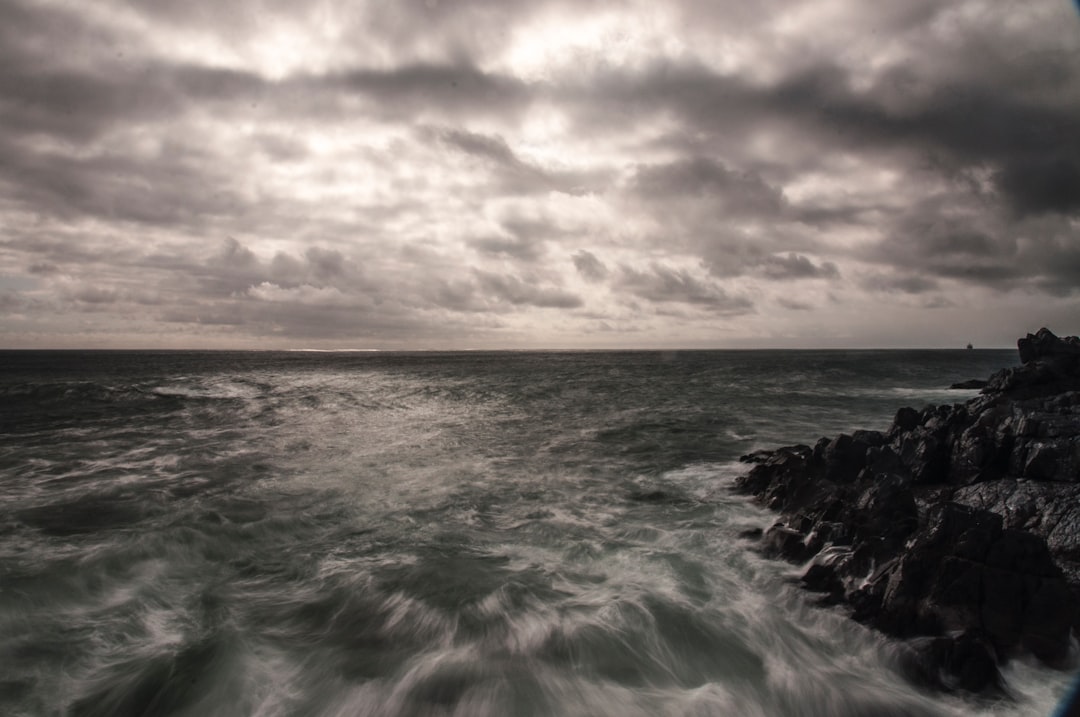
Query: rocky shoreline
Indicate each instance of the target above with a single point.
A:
(956, 530)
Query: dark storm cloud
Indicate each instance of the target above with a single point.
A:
(233, 268)
(458, 89)
(354, 148)
(515, 291)
(795, 305)
(60, 251)
(179, 183)
(1042, 183)
(203, 316)
(589, 266)
(282, 148)
(736, 192)
(796, 266)
(525, 238)
(510, 173)
(387, 321)
(234, 255)
(43, 268)
(905, 284)
(515, 247)
(100, 79)
(325, 264)
(1040, 253)
(730, 253)
(10, 302)
(1030, 142)
(664, 285)
(1032, 146)
(319, 294)
(714, 211)
(1028, 145)
(480, 145)
(80, 106)
(94, 295)
(490, 292)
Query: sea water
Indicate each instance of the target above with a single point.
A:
(505, 533)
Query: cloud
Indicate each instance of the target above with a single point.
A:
(408, 91)
(981, 248)
(796, 266)
(906, 284)
(515, 247)
(515, 291)
(510, 174)
(305, 294)
(660, 284)
(731, 192)
(795, 305)
(589, 266)
(422, 173)
(1041, 184)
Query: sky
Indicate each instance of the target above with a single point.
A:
(465, 174)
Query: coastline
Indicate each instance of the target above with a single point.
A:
(956, 530)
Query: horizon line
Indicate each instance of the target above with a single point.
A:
(511, 350)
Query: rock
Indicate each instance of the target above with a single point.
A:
(885, 515)
(883, 460)
(925, 455)
(1049, 510)
(971, 383)
(1050, 365)
(906, 419)
(1045, 345)
(966, 662)
(964, 571)
(958, 529)
(785, 542)
(827, 573)
(844, 457)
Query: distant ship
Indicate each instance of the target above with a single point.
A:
(970, 347)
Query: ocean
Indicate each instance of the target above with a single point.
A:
(468, 534)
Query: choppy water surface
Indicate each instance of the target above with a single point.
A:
(432, 534)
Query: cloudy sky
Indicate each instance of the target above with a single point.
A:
(537, 173)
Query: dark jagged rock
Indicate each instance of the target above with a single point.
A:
(971, 383)
(957, 529)
(1050, 366)
(1044, 345)
(963, 662)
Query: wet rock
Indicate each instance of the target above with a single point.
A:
(844, 457)
(906, 419)
(970, 383)
(925, 455)
(966, 662)
(1050, 511)
(828, 573)
(1049, 365)
(1044, 345)
(785, 542)
(959, 527)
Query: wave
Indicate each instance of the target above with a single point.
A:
(518, 534)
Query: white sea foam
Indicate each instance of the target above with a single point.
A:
(340, 535)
